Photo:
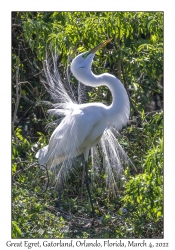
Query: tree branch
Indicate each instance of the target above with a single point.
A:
(18, 95)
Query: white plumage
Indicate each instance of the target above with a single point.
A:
(85, 125)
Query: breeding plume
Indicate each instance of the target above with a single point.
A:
(83, 126)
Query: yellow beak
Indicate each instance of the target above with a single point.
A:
(100, 46)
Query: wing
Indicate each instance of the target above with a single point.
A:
(77, 132)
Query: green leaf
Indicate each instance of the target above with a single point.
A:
(150, 22)
(127, 33)
(16, 231)
(118, 22)
(159, 214)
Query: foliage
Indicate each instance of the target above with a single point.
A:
(34, 211)
(135, 56)
(31, 218)
(144, 192)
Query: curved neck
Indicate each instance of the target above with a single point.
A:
(119, 110)
(117, 89)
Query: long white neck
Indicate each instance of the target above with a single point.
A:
(119, 110)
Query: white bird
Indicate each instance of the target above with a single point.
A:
(85, 125)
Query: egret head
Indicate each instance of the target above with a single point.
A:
(82, 63)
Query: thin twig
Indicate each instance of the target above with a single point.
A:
(18, 95)
(23, 116)
(147, 87)
(124, 82)
(33, 164)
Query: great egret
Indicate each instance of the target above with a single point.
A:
(85, 125)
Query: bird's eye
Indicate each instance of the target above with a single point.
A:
(86, 54)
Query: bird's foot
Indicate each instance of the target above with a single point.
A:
(95, 216)
(63, 214)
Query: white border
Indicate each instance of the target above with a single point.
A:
(5, 96)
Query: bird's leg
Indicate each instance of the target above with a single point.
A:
(82, 185)
(88, 189)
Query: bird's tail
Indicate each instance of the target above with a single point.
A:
(114, 159)
(42, 155)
